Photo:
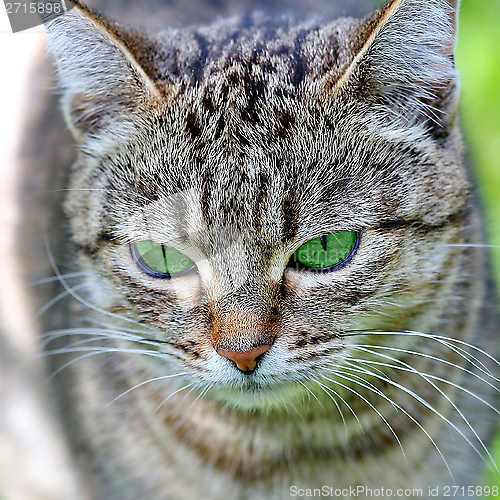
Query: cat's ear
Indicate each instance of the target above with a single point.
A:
(403, 63)
(100, 70)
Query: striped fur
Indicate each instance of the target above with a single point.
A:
(236, 142)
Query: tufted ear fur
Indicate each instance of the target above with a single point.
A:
(100, 69)
(403, 61)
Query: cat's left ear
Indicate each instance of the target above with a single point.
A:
(403, 66)
(106, 76)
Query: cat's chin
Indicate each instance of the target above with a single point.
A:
(255, 397)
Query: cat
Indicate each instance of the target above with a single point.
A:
(281, 282)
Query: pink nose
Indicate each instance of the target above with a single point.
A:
(245, 360)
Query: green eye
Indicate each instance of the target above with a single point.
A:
(327, 252)
(160, 261)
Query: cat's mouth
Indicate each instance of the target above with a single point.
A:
(252, 395)
(258, 389)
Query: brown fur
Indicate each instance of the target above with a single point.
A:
(236, 143)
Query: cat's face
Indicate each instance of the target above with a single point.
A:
(241, 166)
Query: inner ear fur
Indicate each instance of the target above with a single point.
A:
(101, 69)
(403, 59)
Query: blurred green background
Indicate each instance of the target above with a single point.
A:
(478, 58)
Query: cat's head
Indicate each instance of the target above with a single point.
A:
(302, 181)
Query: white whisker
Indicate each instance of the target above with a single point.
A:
(406, 367)
(438, 338)
(57, 278)
(69, 363)
(429, 356)
(373, 387)
(173, 394)
(142, 384)
(409, 415)
(328, 391)
(466, 245)
(371, 406)
(104, 334)
(103, 349)
(310, 393)
(434, 410)
(57, 298)
(75, 295)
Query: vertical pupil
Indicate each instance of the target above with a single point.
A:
(323, 242)
(164, 256)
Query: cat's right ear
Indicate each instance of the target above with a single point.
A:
(99, 68)
(402, 68)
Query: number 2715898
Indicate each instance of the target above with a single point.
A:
(31, 8)
(470, 491)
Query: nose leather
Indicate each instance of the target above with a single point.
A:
(245, 360)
